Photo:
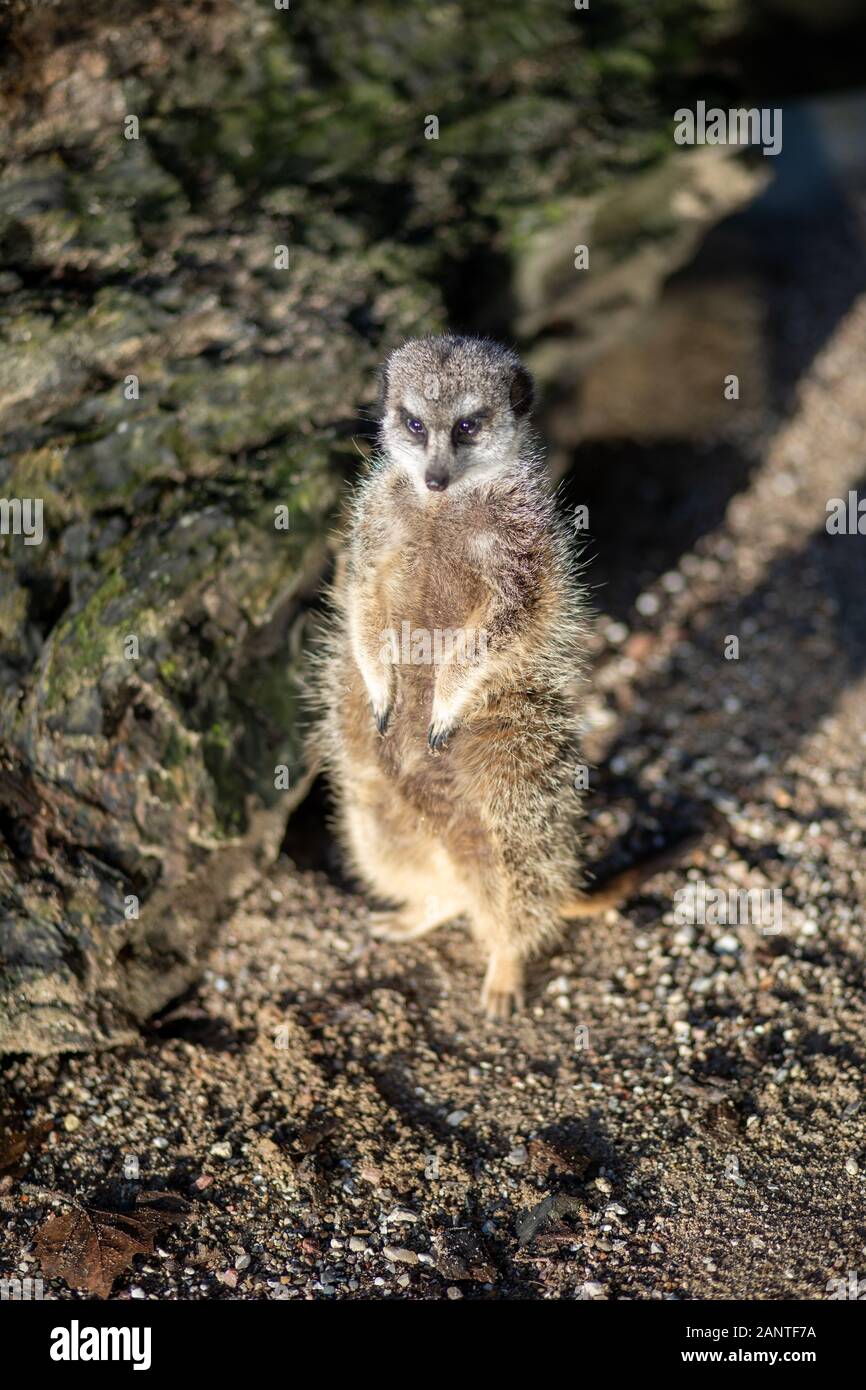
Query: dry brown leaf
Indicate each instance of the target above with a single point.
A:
(14, 1144)
(88, 1247)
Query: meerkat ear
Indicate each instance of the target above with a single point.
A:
(522, 392)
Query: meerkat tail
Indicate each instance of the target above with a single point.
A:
(621, 887)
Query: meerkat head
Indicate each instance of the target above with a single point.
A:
(455, 410)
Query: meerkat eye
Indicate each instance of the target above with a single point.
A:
(464, 429)
(415, 426)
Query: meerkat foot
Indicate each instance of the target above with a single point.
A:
(397, 925)
(502, 992)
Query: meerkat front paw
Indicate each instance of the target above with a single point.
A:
(381, 689)
(445, 716)
(381, 717)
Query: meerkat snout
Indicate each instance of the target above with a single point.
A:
(436, 479)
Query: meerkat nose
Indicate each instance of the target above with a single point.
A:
(436, 482)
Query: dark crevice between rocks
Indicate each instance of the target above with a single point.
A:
(185, 1019)
(14, 833)
(79, 288)
(49, 597)
(309, 840)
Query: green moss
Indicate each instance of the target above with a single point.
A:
(88, 639)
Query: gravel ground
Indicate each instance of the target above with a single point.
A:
(678, 1114)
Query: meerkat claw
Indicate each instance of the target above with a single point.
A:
(500, 1004)
(381, 717)
(437, 737)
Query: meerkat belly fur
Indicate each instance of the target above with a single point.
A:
(450, 684)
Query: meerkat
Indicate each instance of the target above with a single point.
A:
(452, 676)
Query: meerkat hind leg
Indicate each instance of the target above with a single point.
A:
(502, 993)
(405, 923)
(402, 867)
(418, 916)
(497, 915)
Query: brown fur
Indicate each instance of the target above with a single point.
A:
(484, 824)
(454, 779)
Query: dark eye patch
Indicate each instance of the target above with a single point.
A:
(466, 427)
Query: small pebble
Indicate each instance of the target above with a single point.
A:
(399, 1255)
(726, 946)
(402, 1214)
(647, 605)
